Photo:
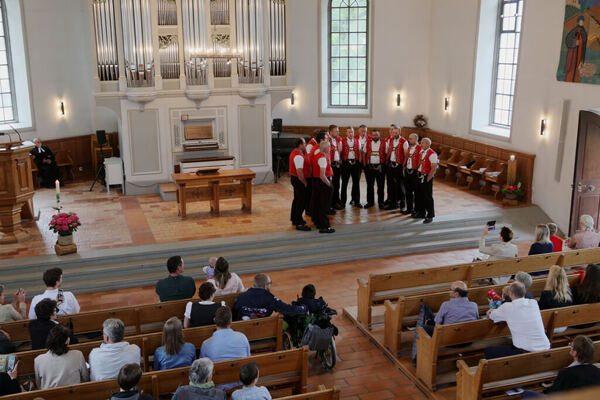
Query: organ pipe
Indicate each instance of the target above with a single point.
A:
(137, 42)
(250, 34)
(219, 12)
(277, 59)
(106, 39)
(167, 12)
(194, 41)
(169, 57)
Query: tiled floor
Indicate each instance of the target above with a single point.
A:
(113, 220)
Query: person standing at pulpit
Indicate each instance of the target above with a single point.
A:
(299, 173)
(375, 159)
(427, 168)
(322, 187)
(350, 168)
(45, 162)
(335, 142)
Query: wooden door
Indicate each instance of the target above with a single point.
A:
(586, 183)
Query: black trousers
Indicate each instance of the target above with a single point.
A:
(299, 202)
(321, 201)
(501, 351)
(411, 184)
(308, 204)
(395, 177)
(375, 175)
(350, 171)
(337, 174)
(426, 206)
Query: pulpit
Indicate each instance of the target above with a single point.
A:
(16, 190)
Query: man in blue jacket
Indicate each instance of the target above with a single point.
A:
(259, 302)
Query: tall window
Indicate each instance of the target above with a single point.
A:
(348, 51)
(507, 55)
(7, 108)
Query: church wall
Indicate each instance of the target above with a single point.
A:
(538, 93)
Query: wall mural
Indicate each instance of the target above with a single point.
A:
(580, 50)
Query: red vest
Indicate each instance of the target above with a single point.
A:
(333, 149)
(346, 149)
(305, 168)
(399, 149)
(425, 163)
(416, 156)
(381, 151)
(311, 155)
(313, 143)
(317, 170)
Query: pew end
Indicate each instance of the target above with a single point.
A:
(363, 300)
(393, 324)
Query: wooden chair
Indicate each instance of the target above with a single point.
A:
(465, 172)
(504, 373)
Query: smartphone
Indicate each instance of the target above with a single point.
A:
(10, 364)
(491, 225)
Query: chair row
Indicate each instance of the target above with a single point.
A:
(263, 334)
(380, 287)
(137, 319)
(506, 373)
(281, 369)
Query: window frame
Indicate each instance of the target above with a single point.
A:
(9, 63)
(367, 58)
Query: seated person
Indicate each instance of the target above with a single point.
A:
(588, 291)
(45, 162)
(15, 311)
(39, 328)
(504, 249)
(259, 302)
(458, 308)
(209, 270)
(524, 320)
(556, 293)
(527, 281)
(557, 241)
(201, 313)
(107, 360)
(587, 236)
(201, 385)
(226, 282)
(579, 374)
(542, 242)
(128, 378)
(174, 352)
(6, 346)
(60, 366)
(249, 377)
(314, 306)
(65, 301)
(9, 383)
(175, 286)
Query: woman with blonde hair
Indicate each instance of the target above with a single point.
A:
(174, 352)
(557, 292)
(587, 236)
(225, 282)
(542, 242)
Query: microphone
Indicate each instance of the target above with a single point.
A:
(17, 132)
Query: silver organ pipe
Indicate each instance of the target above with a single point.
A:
(250, 30)
(277, 27)
(169, 57)
(194, 41)
(106, 39)
(167, 12)
(137, 42)
(219, 12)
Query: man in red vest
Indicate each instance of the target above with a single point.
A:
(321, 198)
(335, 142)
(427, 168)
(396, 151)
(375, 160)
(351, 167)
(299, 171)
(320, 137)
(411, 179)
(311, 148)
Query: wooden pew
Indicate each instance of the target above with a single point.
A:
(477, 174)
(494, 183)
(322, 394)
(430, 349)
(268, 331)
(510, 372)
(280, 369)
(406, 309)
(588, 393)
(464, 172)
(137, 319)
(454, 166)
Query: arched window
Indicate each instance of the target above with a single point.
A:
(348, 50)
(7, 98)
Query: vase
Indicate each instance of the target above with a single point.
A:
(510, 196)
(65, 239)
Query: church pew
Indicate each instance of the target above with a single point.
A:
(454, 156)
(464, 172)
(408, 307)
(321, 394)
(494, 183)
(477, 174)
(268, 331)
(137, 319)
(280, 369)
(482, 333)
(453, 167)
(505, 373)
(587, 393)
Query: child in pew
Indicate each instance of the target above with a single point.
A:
(128, 378)
(209, 270)
(249, 377)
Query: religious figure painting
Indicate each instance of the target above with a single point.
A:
(580, 50)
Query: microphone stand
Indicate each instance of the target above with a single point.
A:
(17, 132)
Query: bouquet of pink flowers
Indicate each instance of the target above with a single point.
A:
(64, 223)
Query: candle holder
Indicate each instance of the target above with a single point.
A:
(58, 206)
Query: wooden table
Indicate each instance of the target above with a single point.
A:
(224, 184)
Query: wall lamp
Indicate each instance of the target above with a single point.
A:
(292, 99)
(61, 108)
(446, 103)
(398, 100)
(543, 126)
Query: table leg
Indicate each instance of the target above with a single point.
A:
(247, 198)
(214, 202)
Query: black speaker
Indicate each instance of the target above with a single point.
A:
(101, 137)
(277, 125)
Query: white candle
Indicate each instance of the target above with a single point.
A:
(57, 184)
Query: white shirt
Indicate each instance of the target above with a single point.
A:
(350, 143)
(433, 158)
(234, 285)
(525, 323)
(106, 361)
(375, 152)
(299, 162)
(309, 148)
(336, 153)
(322, 162)
(362, 143)
(411, 151)
(68, 306)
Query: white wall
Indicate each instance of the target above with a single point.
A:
(400, 63)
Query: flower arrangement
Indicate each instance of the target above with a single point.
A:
(515, 190)
(64, 223)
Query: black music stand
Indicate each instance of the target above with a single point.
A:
(101, 137)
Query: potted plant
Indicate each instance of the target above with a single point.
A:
(512, 191)
(65, 224)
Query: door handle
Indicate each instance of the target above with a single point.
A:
(590, 188)
(579, 187)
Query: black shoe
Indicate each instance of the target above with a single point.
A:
(381, 206)
(418, 216)
(387, 202)
(369, 205)
(390, 207)
(428, 220)
(352, 202)
(358, 205)
(327, 230)
(338, 206)
(302, 228)
(406, 212)
(401, 205)
(331, 211)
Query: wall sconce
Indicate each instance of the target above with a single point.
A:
(60, 105)
(446, 103)
(292, 99)
(398, 100)
(543, 126)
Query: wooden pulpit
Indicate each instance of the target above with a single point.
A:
(16, 190)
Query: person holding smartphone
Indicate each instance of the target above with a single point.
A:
(8, 381)
(15, 311)
(65, 301)
(498, 251)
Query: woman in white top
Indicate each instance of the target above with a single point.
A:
(504, 249)
(15, 311)
(586, 237)
(226, 282)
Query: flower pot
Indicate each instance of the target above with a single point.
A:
(510, 196)
(65, 239)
